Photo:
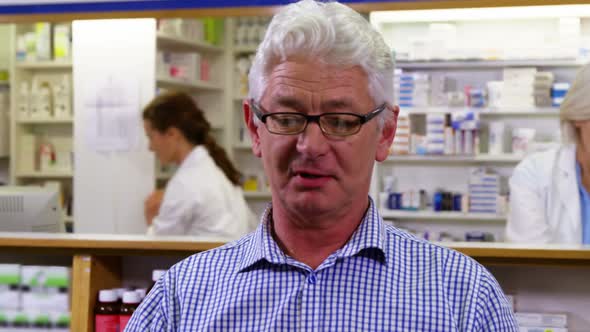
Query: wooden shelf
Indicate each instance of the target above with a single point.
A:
(41, 175)
(97, 260)
(122, 245)
(245, 49)
(44, 65)
(195, 86)
(447, 216)
(111, 244)
(487, 64)
(46, 121)
(487, 112)
(455, 159)
(262, 195)
(181, 44)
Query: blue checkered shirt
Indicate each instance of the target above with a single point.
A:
(383, 279)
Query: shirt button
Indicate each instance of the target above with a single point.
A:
(312, 279)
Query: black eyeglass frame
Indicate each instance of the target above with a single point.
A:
(263, 114)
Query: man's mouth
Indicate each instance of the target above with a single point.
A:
(309, 175)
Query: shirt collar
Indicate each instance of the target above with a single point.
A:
(369, 235)
(196, 156)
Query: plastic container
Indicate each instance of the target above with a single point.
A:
(106, 312)
(131, 300)
(156, 275)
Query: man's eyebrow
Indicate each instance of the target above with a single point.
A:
(289, 102)
(337, 103)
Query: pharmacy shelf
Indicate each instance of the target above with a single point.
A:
(40, 175)
(446, 216)
(487, 64)
(44, 65)
(451, 159)
(194, 86)
(487, 112)
(180, 44)
(46, 121)
(245, 49)
(257, 195)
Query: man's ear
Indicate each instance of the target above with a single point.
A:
(387, 134)
(252, 128)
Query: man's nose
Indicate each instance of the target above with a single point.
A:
(312, 141)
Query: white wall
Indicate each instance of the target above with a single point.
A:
(114, 75)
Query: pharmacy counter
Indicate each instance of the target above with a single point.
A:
(97, 260)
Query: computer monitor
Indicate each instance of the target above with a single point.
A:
(30, 209)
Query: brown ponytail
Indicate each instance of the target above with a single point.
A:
(178, 109)
(222, 161)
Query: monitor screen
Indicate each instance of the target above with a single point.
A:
(30, 209)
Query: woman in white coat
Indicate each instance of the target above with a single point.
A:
(204, 197)
(549, 200)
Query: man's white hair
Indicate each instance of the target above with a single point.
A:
(329, 32)
(576, 105)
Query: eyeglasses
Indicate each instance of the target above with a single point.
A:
(333, 124)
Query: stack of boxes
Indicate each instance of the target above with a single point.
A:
(542, 85)
(191, 29)
(558, 92)
(250, 31)
(47, 96)
(188, 66)
(401, 142)
(411, 89)
(484, 193)
(538, 322)
(46, 42)
(34, 297)
(435, 133)
(464, 133)
(518, 88)
(182, 66)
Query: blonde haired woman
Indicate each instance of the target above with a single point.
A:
(549, 191)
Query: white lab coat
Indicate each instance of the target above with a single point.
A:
(200, 200)
(544, 199)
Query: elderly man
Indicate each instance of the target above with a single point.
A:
(320, 114)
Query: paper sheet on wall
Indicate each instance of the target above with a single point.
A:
(113, 114)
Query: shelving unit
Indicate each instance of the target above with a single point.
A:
(179, 44)
(414, 36)
(489, 112)
(442, 216)
(44, 65)
(241, 150)
(452, 159)
(25, 131)
(257, 195)
(48, 121)
(109, 261)
(434, 64)
(193, 86)
(45, 175)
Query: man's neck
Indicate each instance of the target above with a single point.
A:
(311, 240)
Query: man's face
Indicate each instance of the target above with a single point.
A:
(311, 173)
